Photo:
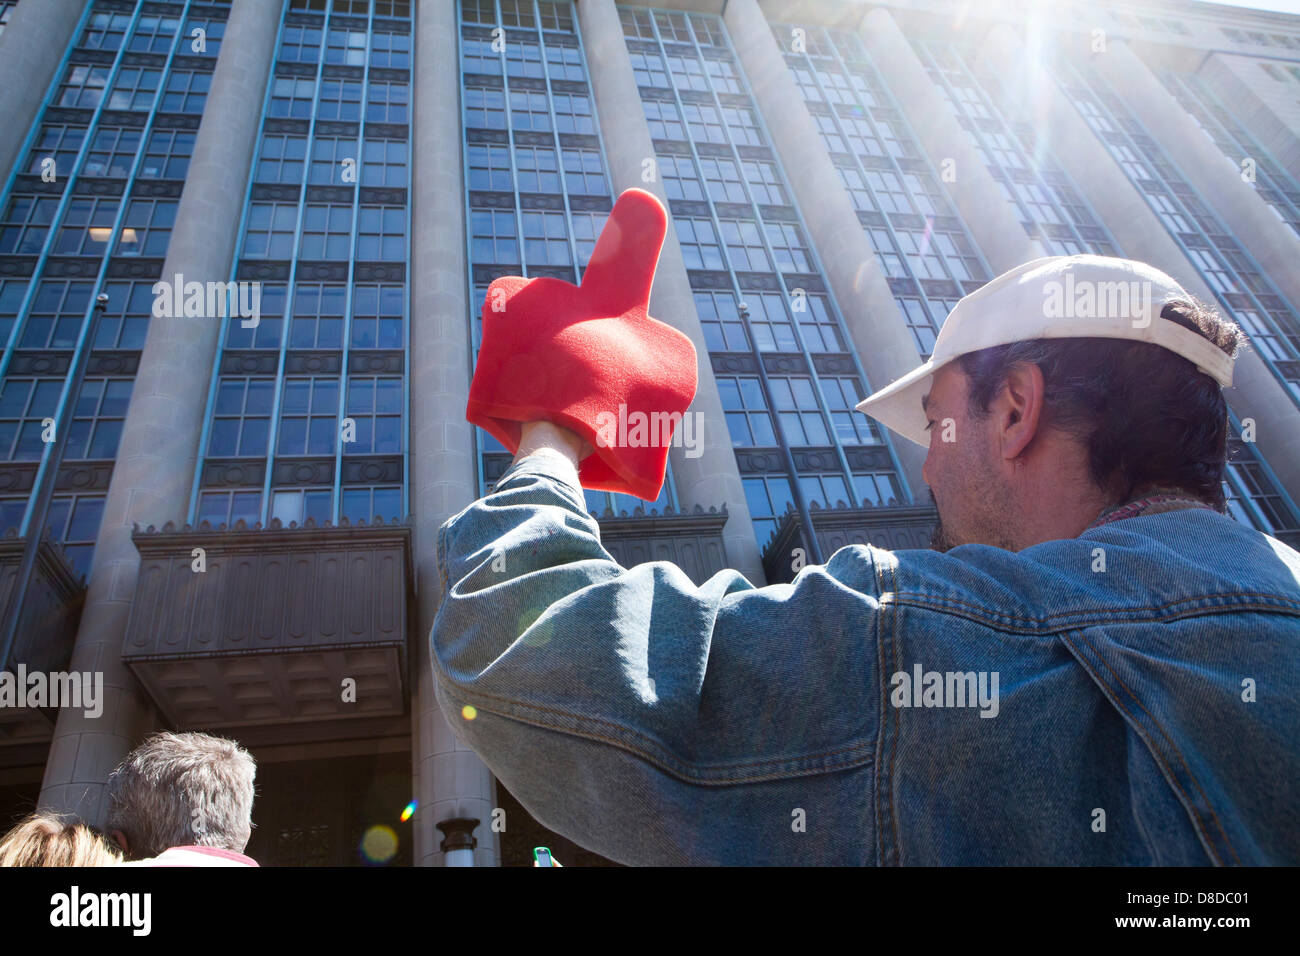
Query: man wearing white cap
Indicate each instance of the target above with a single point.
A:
(1094, 665)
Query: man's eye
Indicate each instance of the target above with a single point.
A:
(929, 424)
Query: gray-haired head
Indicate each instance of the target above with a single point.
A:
(182, 790)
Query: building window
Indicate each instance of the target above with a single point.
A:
(384, 163)
(213, 32)
(489, 167)
(270, 228)
(825, 491)
(555, 15)
(786, 240)
(680, 181)
(105, 31)
(299, 505)
(187, 91)
(563, 62)
(74, 521)
(345, 47)
(720, 319)
(586, 227)
(769, 323)
(291, 97)
(283, 158)
(584, 173)
(84, 86)
(746, 410)
(477, 56)
(309, 416)
(112, 152)
(545, 238)
(538, 169)
(135, 88)
(391, 50)
(242, 418)
(328, 156)
(723, 180)
(57, 314)
(87, 227)
(58, 142)
(227, 507)
(340, 100)
(375, 404)
(796, 403)
(769, 498)
(326, 231)
(318, 310)
(266, 334)
(699, 242)
(381, 234)
(377, 316)
(25, 404)
(874, 490)
(367, 503)
(742, 126)
(97, 419)
(573, 113)
(648, 68)
(26, 223)
(12, 293)
(529, 110)
(153, 34)
(817, 326)
(300, 44)
(663, 119)
(744, 245)
(485, 109)
(841, 396)
(387, 102)
(168, 154)
(147, 227)
(523, 59)
(494, 236)
(704, 123)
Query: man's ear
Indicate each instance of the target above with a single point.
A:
(1018, 408)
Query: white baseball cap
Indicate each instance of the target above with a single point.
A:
(1058, 297)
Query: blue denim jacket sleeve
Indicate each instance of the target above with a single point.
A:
(652, 720)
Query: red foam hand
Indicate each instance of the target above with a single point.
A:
(572, 355)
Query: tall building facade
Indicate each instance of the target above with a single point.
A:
(244, 248)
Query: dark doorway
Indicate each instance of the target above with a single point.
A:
(340, 811)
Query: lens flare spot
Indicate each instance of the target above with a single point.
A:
(408, 811)
(469, 711)
(379, 844)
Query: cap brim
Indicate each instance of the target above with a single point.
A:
(897, 406)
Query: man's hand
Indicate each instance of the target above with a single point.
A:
(536, 436)
(590, 357)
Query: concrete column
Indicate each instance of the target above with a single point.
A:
(450, 779)
(1264, 106)
(884, 345)
(158, 450)
(994, 223)
(31, 49)
(712, 479)
(1215, 176)
(1121, 206)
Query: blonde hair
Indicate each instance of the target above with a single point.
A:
(52, 839)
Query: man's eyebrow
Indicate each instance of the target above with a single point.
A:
(925, 402)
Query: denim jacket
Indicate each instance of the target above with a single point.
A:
(1130, 696)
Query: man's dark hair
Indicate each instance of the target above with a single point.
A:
(1146, 415)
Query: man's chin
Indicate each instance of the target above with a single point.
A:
(939, 539)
